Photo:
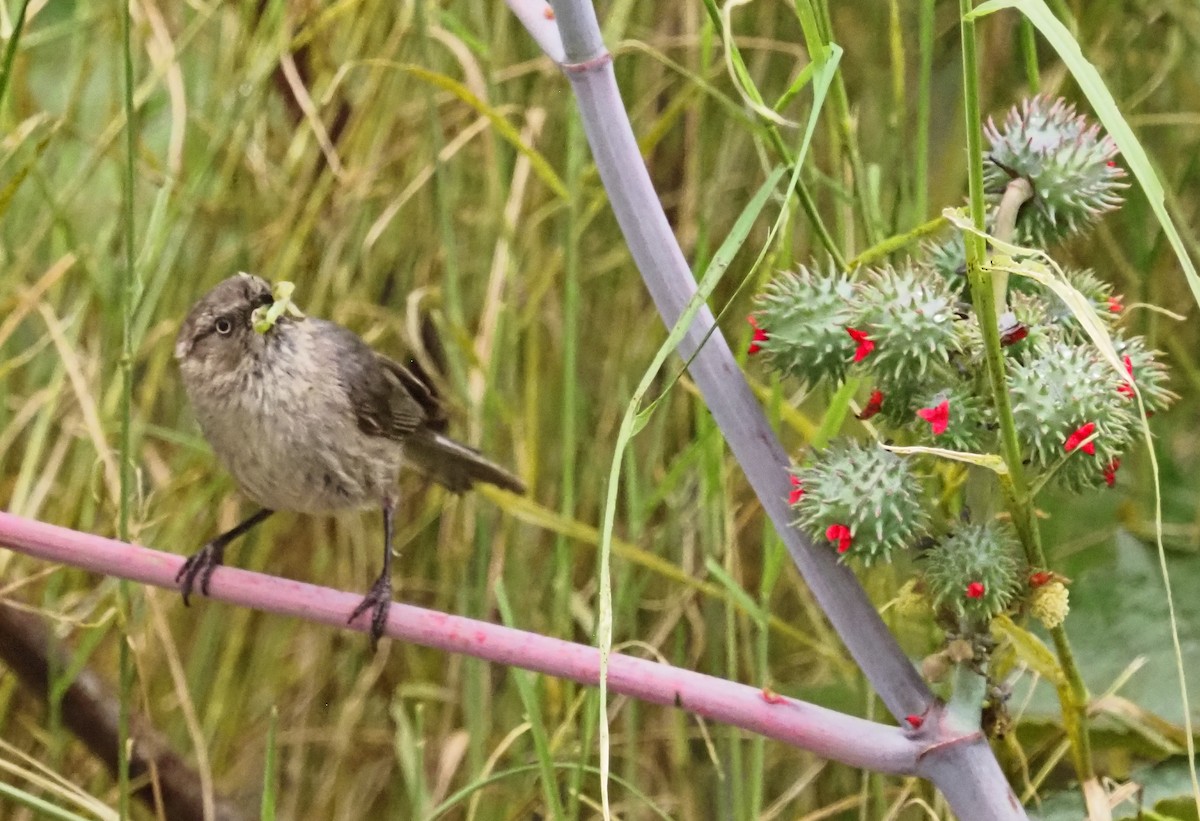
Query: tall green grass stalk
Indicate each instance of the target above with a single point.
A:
(128, 297)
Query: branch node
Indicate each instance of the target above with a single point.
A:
(592, 64)
(938, 746)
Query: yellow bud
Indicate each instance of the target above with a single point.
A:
(1049, 604)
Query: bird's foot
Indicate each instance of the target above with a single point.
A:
(200, 564)
(378, 601)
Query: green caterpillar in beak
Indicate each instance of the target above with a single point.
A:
(264, 317)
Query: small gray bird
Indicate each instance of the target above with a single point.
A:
(309, 419)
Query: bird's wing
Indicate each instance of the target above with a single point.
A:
(409, 381)
(387, 401)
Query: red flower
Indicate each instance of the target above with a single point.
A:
(865, 344)
(1040, 578)
(914, 721)
(797, 491)
(759, 336)
(1114, 304)
(1125, 388)
(1078, 436)
(873, 406)
(1110, 472)
(975, 590)
(938, 417)
(841, 535)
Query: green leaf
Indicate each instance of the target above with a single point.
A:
(990, 461)
(1029, 649)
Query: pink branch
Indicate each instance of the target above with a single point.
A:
(827, 733)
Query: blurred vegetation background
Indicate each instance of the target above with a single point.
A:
(407, 160)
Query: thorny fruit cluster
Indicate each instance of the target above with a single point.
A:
(909, 334)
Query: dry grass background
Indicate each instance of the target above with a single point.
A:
(353, 148)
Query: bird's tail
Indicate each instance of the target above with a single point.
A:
(455, 465)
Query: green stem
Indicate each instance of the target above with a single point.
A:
(10, 51)
(970, 689)
(1029, 52)
(816, 43)
(924, 83)
(452, 278)
(564, 556)
(125, 446)
(984, 299)
(845, 124)
(893, 244)
(1075, 717)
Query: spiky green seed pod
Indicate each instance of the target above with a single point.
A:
(870, 492)
(967, 423)
(1058, 393)
(1068, 160)
(1024, 328)
(910, 316)
(1096, 291)
(974, 572)
(1149, 372)
(1029, 309)
(805, 315)
(948, 257)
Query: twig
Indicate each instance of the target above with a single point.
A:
(89, 710)
(827, 733)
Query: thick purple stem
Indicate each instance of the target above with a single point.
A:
(825, 732)
(725, 391)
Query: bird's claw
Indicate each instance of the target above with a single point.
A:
(200, 564)
(378, 601)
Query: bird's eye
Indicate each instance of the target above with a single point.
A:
(223, 326)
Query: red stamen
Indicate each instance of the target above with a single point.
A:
(874, 404)
(938, 417)
(840, 534)
(1110, 472)
(759, 336)
(1014, 335)
(865, 343)
(1078, 436)
(1125, 388)
(797, 491)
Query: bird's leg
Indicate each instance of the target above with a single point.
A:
(204, 561)
(379, 599)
